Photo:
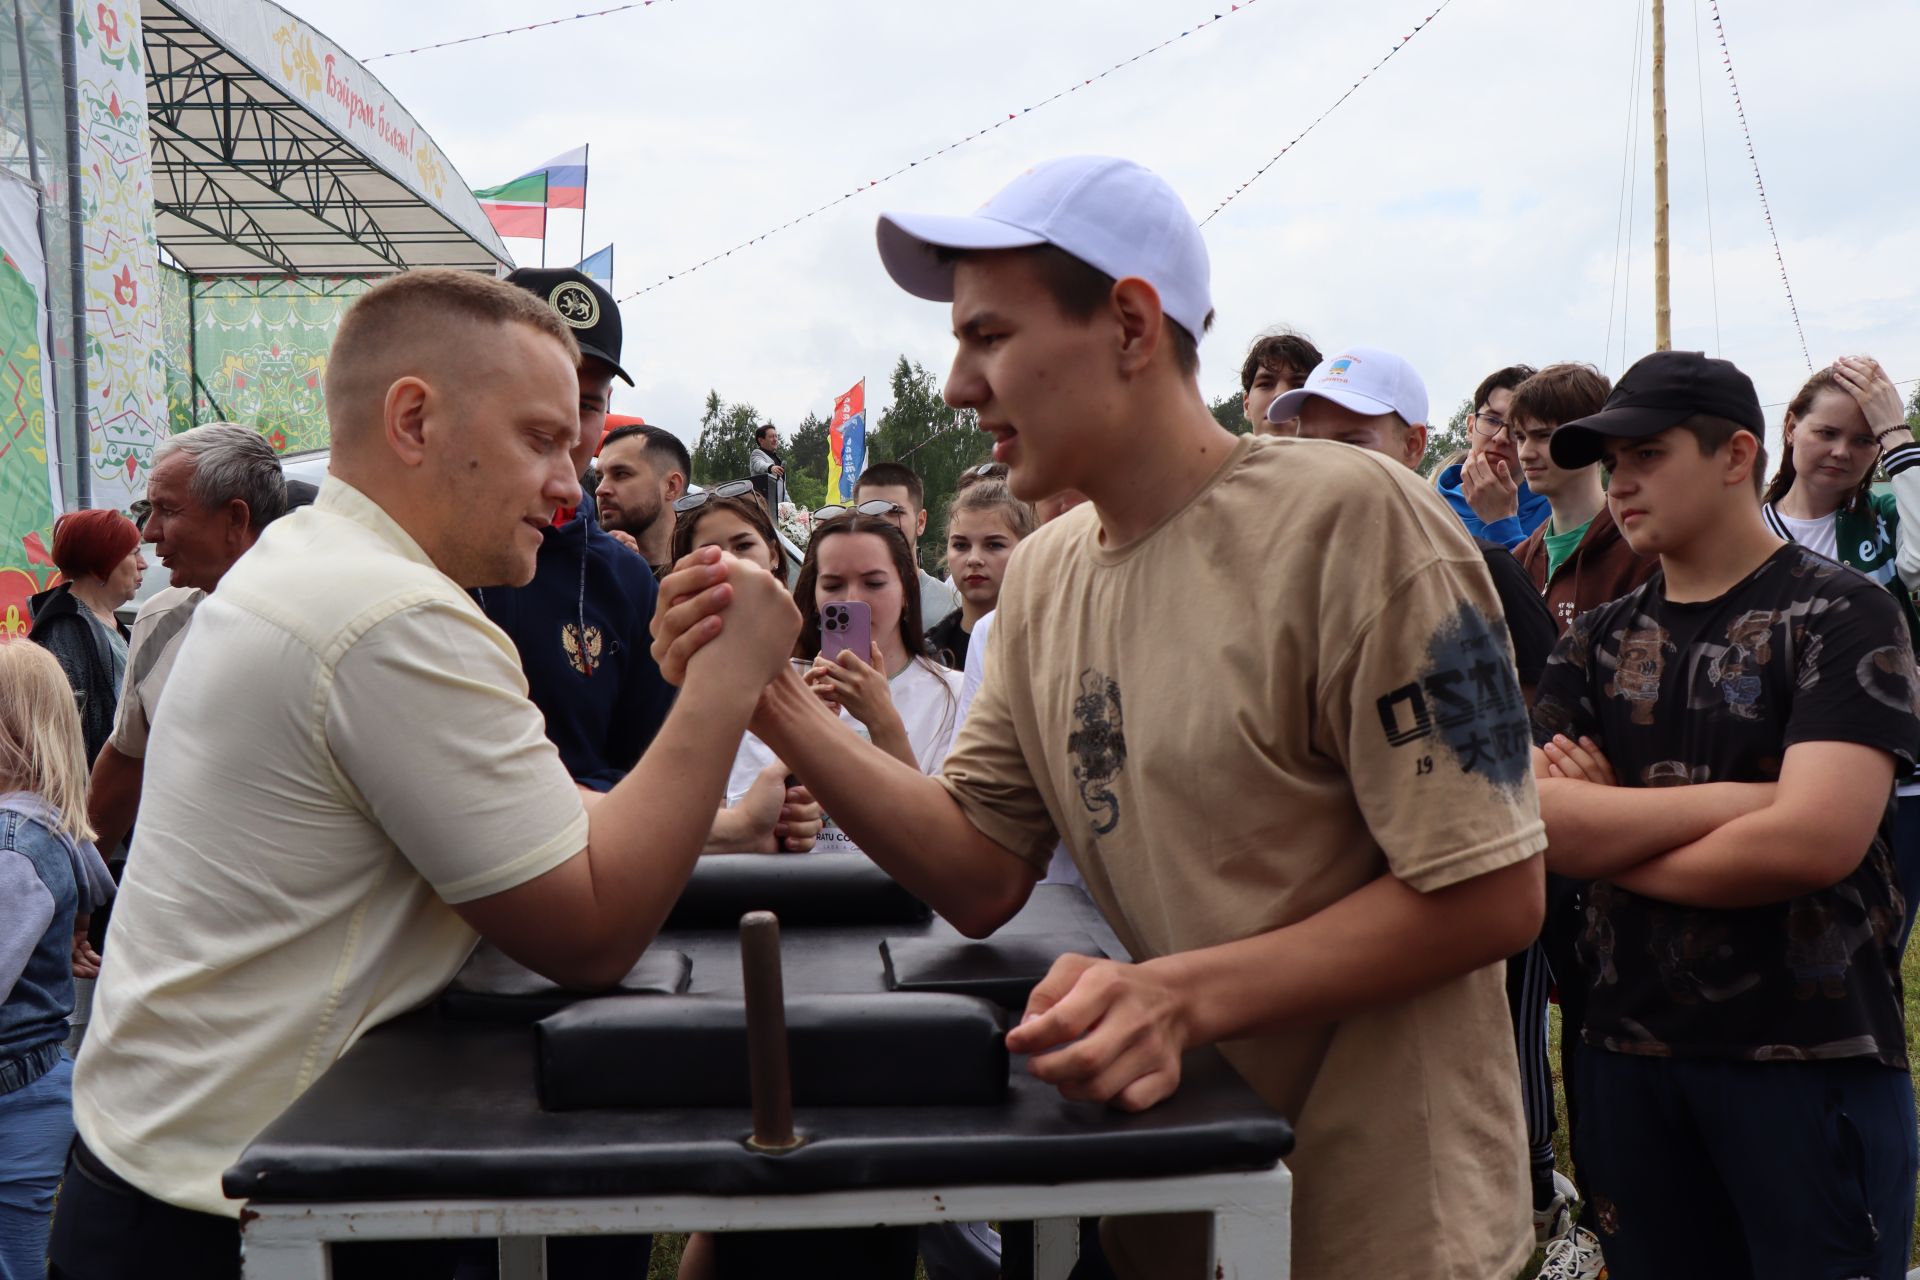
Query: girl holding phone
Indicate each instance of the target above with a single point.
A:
(907, 703)
(894, 694)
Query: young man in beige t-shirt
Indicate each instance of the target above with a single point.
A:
(1294, 774)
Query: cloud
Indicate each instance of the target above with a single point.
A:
(1463, 207)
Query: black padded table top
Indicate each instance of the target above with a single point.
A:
(436, 1107)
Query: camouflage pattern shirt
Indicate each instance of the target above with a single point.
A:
(1802, 650)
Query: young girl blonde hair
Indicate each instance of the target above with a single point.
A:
(41, 749)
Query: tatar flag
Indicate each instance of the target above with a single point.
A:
(517, 208)
(599, 266)
(847, 443)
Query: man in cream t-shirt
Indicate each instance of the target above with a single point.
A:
(1294, 773)
(349, 785)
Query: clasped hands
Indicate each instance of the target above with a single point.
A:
(718, 610)
(1097, 1030)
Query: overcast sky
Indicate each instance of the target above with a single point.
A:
(1462, 208)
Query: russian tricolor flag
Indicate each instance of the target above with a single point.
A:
(566, 180)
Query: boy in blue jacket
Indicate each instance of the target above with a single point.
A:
(1486, 490)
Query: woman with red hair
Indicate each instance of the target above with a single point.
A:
(98, 552)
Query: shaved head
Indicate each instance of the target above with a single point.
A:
(429, 324)
(455, 404)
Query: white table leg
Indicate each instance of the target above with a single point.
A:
(285, 1260)
(1253, 1241)
(1056, 1247)
(523, 1258)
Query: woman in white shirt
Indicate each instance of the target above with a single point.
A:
(912, 711)
(906, 703)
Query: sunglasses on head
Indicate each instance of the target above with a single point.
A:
(871, 507)
(985, 471)
(694, 501)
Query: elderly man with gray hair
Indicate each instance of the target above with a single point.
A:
(211, 492)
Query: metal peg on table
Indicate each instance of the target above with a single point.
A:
(768, 1075)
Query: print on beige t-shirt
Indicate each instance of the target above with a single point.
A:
(1297, 682)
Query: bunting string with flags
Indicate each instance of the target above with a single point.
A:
(955, 145)
(509, 31)
(1405, 40)
(599, 266)
(1740, 109)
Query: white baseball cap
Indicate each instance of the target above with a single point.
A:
(1364, 379)
(1111, 214)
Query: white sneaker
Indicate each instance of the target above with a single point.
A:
(1556, 1220)
(1574, 1256)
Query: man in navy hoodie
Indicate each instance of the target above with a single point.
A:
(1487, 490)
(581, 624)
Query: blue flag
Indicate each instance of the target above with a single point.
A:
(599, 266)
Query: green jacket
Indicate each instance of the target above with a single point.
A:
(1870, 541)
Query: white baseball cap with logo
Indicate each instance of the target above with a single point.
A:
(1364, 379)
(1113, 215)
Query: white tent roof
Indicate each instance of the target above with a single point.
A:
(274, 151)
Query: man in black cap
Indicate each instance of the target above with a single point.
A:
(581, 624)
(1744, 1103)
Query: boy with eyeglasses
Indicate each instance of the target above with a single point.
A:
(1487, 490)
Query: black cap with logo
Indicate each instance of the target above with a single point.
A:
(1661, 390)
(588, 309)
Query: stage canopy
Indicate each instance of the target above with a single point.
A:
(274, 152)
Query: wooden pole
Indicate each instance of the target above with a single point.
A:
(768, 1073)
(1662, 306)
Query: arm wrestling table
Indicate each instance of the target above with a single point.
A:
(431, 1127)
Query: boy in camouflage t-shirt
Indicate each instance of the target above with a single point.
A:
(1744, 1106)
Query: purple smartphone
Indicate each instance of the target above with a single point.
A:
(846, 624)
